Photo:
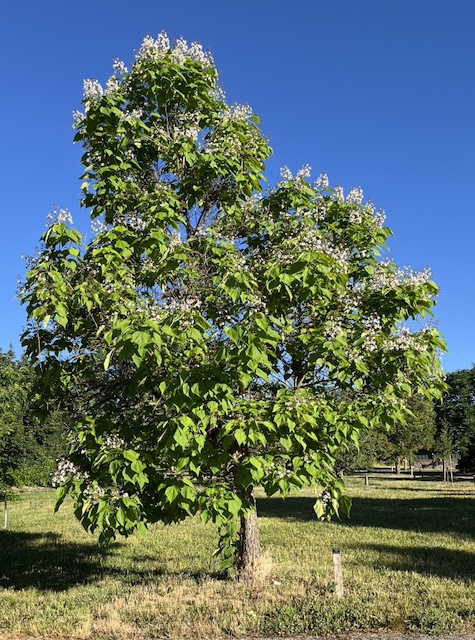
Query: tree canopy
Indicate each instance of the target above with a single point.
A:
(210, 337)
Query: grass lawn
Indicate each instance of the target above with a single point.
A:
(408, 556)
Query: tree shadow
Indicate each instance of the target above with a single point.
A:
(46, 562)
(428, 561)
(439, 514)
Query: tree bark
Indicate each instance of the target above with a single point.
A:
(249, 545)
(398, 466)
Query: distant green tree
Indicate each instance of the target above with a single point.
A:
(29, 448)
(456, 416)
(406, 439)
(400, 442)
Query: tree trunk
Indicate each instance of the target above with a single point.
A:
(398, 466)
(249, 546)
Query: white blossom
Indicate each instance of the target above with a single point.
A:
(78, 116)
(379, 218)
(92, 89)
(112, 85)
(119, 67)
(285, 173)
(98, 226)
(355, 217)
(114, 442)
(355, 195)
(64, 471)
(59, 215)
(338, 193)
(132, 116)
(239, 112)
(304, 172)
(322, 181)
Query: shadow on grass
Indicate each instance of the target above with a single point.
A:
(49, 563)
(46, 562)
(427, 561)
(434, 515)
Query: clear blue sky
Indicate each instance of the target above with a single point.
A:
(376, 93)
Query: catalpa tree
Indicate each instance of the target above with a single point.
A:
(210, 338)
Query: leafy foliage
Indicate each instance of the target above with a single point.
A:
(456, 417)
(29, 448)
(210, 338)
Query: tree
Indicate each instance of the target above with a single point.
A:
(401, 441)
(205, 336)
(415, 433)
(12, 405)
(29, 448)
(456, 417)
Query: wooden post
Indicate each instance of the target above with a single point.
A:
(5, 512)
(366, 481)
(338, 573)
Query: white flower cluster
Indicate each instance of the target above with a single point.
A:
(326, 499)
(131, 221)
(285, 173)
(355, 195)
(371, 328)
(93, 493)
(112, 85)
(404, 340)
(187, 126)
(132, 116)
(338, 193)
(65, 470)
(98, 226)
(322, 181)
(114, 442)
(175, 239)
(59, 215)
(385, 277)
(301, 175)
(379, 218)
(184, 304)
(304, 173)
(119, 67)
(152, 49)
(92, 90)
(78, 116)
(356, 216)
(239, 112)
(332, 329)
(284, 473)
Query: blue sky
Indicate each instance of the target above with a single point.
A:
(376, 93)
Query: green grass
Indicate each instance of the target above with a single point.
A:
(408, 562)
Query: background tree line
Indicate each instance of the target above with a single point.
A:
(441, 429)
(29, 446)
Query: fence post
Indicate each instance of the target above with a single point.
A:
(366, 481)
(5, 511)
(338, 572)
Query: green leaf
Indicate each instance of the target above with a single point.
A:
(107, 360)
